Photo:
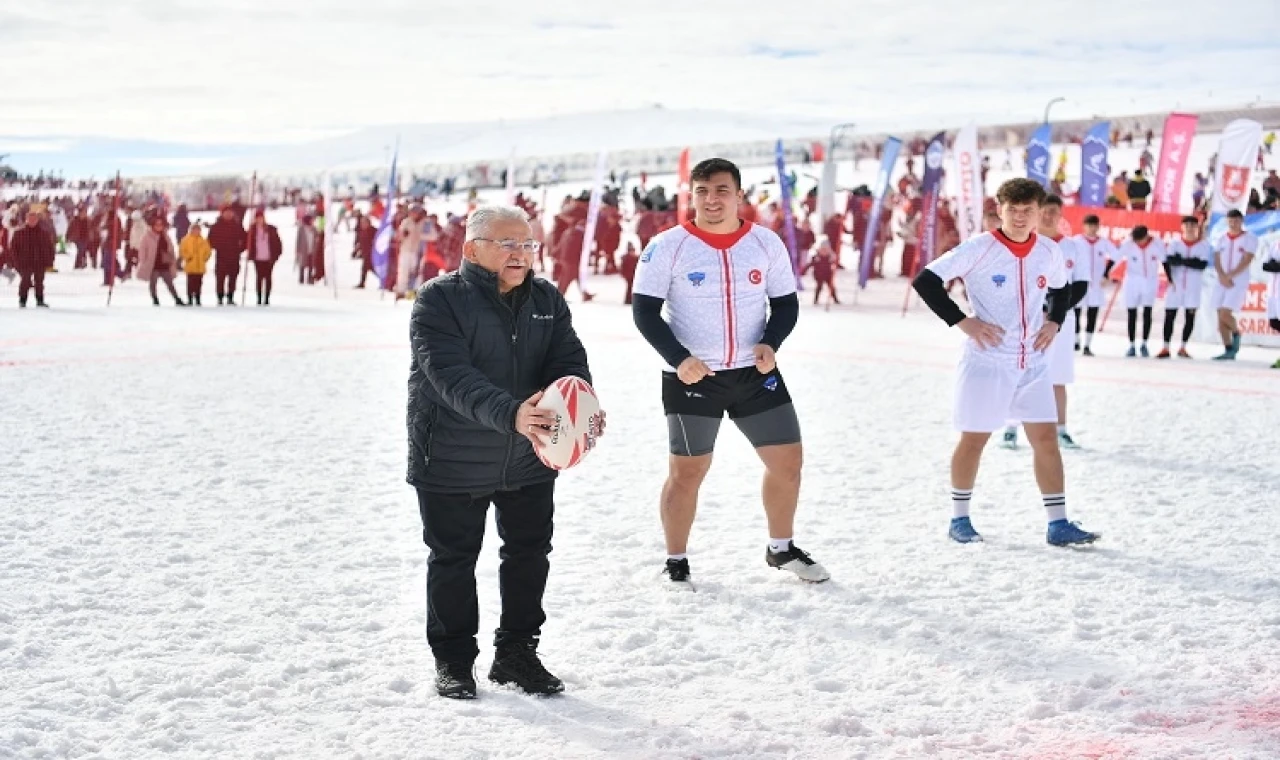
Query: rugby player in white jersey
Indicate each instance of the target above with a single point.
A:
(1188, 258)
(1232, 257)
(1099, 255)
(1010, 274)
(1144, 257)
(730, 295)
(1062, 357)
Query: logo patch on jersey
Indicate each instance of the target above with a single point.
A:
(1071, 264)
(771, 383)
(998, 279)
(697, 278)
(647, 255)
(1041, 282)
(755, 276)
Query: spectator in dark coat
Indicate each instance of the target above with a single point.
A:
(366, 234)
(264, 249)
(32, 250)
(181, 221)
(228, 240)
(486, 340)
(1139, 191)
(80, 234)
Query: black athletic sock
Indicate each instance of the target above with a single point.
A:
(1078, 310)
(1146, 323)
(1091, 314)
(1170, 316)
(1189, 326)
(1133, 325)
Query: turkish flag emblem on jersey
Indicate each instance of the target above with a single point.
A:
(1235, 183)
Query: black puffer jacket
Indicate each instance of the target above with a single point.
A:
(474, 363)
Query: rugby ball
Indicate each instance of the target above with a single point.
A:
(577, 425)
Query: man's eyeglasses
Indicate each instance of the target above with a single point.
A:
(511, 246)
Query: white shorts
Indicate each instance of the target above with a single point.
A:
(1139, 293)
(1184, 297)
(1096, 296)
(1230, 298)
(991, 393)
(1061, 356)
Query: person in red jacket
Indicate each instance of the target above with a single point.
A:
(264, 249)
(823, 265)
(32, 250)
(366, 233)
(833, 228)
(630, 260)
(648, 225)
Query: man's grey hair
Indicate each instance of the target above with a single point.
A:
(483, 218)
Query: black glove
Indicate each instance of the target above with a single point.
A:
(1271, 266)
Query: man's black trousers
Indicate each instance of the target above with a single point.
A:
(453, 528)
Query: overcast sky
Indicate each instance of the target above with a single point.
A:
(213, 74)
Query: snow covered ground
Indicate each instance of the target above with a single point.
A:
(207, 550)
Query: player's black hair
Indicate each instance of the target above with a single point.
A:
(705, 170)
(1092, 219)
(1190, 220)
(1140, 232)
(1051, 200)
(1235, 214)
(1020, 190)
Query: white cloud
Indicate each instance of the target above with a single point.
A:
(266, 71)
(25, 145)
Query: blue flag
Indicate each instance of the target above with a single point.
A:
(1038, 156)
(382, 243)
(788, 221)
(929, 190)
(1093, 155)
(889, 157)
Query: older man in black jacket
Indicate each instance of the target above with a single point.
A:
(486, 340)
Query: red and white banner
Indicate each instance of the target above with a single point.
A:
(1175, 147)
(1237, 155)
(593, 215)
(682, 188)
(969, 179)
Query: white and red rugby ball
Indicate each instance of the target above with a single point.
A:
(577, 425)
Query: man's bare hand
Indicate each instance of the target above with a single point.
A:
(693, 369)
(766, 361)
(1045, 335)
(984, 334)
(532, 421)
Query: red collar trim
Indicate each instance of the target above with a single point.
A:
(1240, 235)
(1189, 243)
(719, 241)
(1143, 245)
(1092, 240)
(1056, 238)
(1017, 249)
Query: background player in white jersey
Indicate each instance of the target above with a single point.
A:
(1098, 254)
(1061, 355)
(1188, 258)
(1009, 274)
(1231, 260)
(1144, 258)
(1271, 265)
(730, 294)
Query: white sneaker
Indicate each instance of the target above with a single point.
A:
(798, 562)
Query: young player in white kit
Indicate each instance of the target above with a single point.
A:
(1271, 265)
(1232, 257)
(1009, 275)
(730, 297)
(1061, 355)
(1188, 258)
(1144, 258)
(1098, 255)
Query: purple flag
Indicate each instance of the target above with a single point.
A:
(929, 190)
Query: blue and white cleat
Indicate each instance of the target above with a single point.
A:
(1063, 533)
(1226, 356)
(1144, 352)
(962, 531)
(1010, 439)
(1131, 352)
(1065, 441)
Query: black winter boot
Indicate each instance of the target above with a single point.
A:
(517, 663)
(454, 680)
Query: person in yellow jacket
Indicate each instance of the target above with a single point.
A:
(195, 253)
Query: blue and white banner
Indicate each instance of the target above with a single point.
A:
(929, 190)
(788, 220)
(386, 230)
(1093, 157)
(1038, 155)
(888, 157)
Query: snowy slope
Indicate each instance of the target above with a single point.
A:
(207, 551)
